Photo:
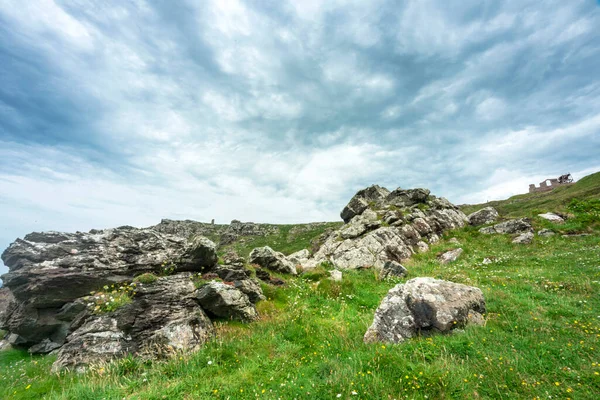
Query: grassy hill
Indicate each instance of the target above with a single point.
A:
(557, 200)
(541, 338)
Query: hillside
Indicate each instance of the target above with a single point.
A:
(540, 336)
(557, 200)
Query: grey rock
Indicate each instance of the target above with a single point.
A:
(405, 198)
(425, 306)
(422, 247)
(7, 306)
(509, 227)
(5, 345)
(484, 216)
(361, 200)
(268, 258)
(250, 288)
(230, 273)
(299, 257)
(226, 301)
(199, 255)
(546, 233)
(393, 269)
(450, 256)
(164, 316)
(335, 275)
(557, 219)
(524, 238)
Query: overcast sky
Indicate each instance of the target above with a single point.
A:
(126, 112)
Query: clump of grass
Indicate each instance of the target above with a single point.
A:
(315, 274)
(146, 278)
(111, 298)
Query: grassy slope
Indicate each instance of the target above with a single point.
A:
(541, 339)
(288, 239)
(530, 204)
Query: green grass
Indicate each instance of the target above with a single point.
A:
(541, 338)
(288, 239)
(146, 278)
(530, 204)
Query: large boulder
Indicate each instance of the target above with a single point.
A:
(450, 256)
(268, 258)
(557, 219)
(384, 226)
(484, 216)
(164, 316)
(50, 270)
(509, 227)
(524, 238)
(424, 306)
(225, 301)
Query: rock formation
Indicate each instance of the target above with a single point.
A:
(386, 226)
(509, 227)
(484, 216)
(424, 306)
(46, 303)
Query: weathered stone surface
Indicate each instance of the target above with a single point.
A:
(230, 273)
(423, 306)
(51, 269)
(226, 301)
(4, 345)
(199, 254)
(335, 275)
(557, 219)
(484, 216)
(450, 256)
(164, 316)
(7, 306)
(250, 288)
(268, 258)
(509, 227)
(361, 200)
(414, 216)
(299, 257)
(393, 269)
(524, 238)
(546, 233)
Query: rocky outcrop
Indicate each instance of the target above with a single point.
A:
(250, 288)
(273, 260)
(509, 227)
(7, 306)
(423, 306)
(299, 257)
(386, 226)
(50, 271)
(484, 216)
(225, 301)
(164, 316)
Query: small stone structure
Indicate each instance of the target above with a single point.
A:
(549, 184)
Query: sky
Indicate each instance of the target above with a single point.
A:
(122, 113)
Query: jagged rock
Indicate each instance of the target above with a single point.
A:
(268, 258)
(557, 219)
(299, 257)
(199, 254)
(361, 200)
(335, 275)
(226, 301)
(364, 241)
(393, 269)
(234, 259)
(250, 288)
(163, 316)
(484, 216)
(509, 227)
(231, 273)
(264, 276)
(450, 256)
(524, 238)
(7, 306)
(546, 233)
(238, 229)
(423, 306)
(50, 269)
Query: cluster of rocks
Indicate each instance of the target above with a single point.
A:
(45, 304)
(382, 226)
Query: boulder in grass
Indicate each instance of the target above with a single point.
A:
(484, 216)
(450, 256)
(524, 238)
(268, 258)
(557, 219)
(225, 301)
(423, 306)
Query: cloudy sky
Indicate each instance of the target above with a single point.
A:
(126, 112)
